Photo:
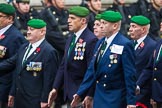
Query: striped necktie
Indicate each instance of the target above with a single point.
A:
(28, 50)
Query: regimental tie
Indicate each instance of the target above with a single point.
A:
(135, 43)
(28, 50)
(102, 49)
(72, 44)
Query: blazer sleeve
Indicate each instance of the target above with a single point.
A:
(128, 62)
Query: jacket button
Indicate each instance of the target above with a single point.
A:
(105, 76)
(97, 81)
(104, 85)
(155, 79)
(155, 69)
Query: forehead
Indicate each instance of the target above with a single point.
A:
(134, 24)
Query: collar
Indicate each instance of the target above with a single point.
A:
(79, 33)
(140, 40)
(36, 44)
(110, 39)
(3, 30)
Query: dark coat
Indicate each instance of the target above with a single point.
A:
(12, 41)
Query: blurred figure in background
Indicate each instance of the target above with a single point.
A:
(94, 7)
(23, 14)
(153, 11)
(97, 27)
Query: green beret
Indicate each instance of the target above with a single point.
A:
(111, 16)
(7, 9)
(98, 17)
(79, 11)
(36, 23)
(19, 1)
(140, 20)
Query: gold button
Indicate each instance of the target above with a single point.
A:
(105, 76)
(155, 79)
(155, 69)
(104, 85)
(97, 81)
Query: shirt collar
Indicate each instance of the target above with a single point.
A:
(5, 29)
(79, 33)
(110, 39)
(36, 44)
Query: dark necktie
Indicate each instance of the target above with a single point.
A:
(135, 43)
(28, 50)
(72, 44)
(102, 49)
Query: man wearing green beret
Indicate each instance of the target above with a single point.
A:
(144, 47)
(23, 14)
(10, 41)
(97, 27)
(36, 64)
(112, 69)
(77, 56)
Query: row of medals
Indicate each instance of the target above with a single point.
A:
(34, 68)
(79, 51)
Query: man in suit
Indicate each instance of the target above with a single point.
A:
(112, 68)
(78, 53)
(36, 64)
(139, 29)
(10, 41)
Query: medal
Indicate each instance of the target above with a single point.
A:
(34, 74)
(111, 57)
(115, 61)
(81, 58)
(111, 61)
(75, 57)
(83, 49)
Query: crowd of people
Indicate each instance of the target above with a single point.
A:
(81, 57)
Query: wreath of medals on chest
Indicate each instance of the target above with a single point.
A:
(79, 50)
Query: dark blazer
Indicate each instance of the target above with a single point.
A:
(157, 75)
(143, 53)
(12, 41)
(71, 71)
(115, 81)
(31, 87)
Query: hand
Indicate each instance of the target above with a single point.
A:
(131, 106)
(153, 103)
(44, 105)
(10, 101)
(75, 101)
(137, 90)
(88, 102)
(52, 96)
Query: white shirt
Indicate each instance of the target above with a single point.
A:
(109, 40)
(4, 29)
(139, 42)
(34, 46)
(79, 33)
